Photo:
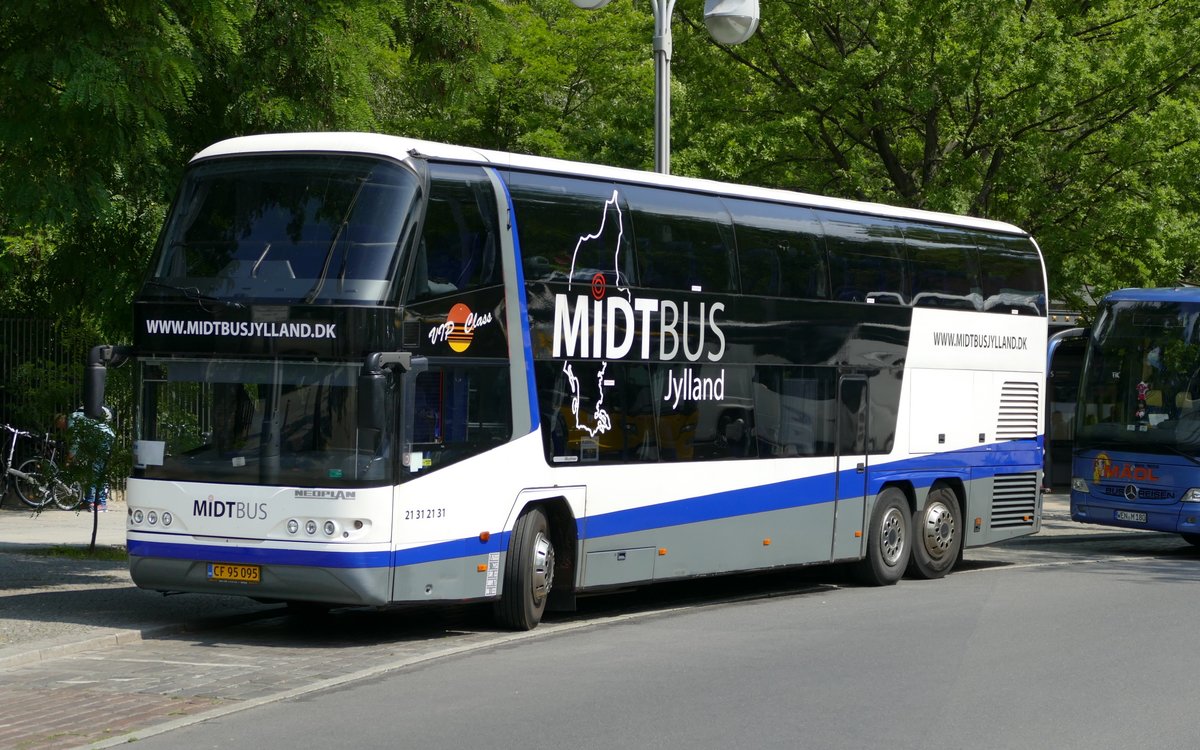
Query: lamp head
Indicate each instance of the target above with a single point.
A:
(728, 21)
(590, 4)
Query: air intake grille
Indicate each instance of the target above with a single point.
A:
(1018, 411)
(1014, 500)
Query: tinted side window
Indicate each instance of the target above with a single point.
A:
(571, 229)
(597, 412)
(1012, 275)
(781, 250)
(944, 266)
(682, 240)
(866, 258)
(795, 411)
(459, 247)
(460, 411)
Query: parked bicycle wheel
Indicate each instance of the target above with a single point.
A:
(67, 495)
(31, 484)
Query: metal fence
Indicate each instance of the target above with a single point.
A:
(41, 378)
(41, 367)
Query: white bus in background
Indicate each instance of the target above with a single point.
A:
(374, 370)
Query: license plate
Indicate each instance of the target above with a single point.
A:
(1131, 516)
(236, 573)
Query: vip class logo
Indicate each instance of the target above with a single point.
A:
(459, 329)
(1104, 469)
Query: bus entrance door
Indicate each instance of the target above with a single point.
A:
(850, 479)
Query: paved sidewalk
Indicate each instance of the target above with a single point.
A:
(52, 605)
(23, 528)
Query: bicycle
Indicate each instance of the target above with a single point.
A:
(38, 480)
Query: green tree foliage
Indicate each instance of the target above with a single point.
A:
(102, 103)
(1074, 119)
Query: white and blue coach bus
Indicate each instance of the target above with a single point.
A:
(373, 370)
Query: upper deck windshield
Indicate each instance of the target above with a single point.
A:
(1141, 379)
(287, 228)
(257, 422)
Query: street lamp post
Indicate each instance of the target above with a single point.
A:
(728, 22)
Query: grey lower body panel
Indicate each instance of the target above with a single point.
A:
(792, 536)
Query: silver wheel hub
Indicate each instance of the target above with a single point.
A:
(543, 567)
(891, 536)
(937, 530)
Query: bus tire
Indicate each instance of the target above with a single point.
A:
(1192, 539)
(889, 541)
(937, 535)
(528, 573)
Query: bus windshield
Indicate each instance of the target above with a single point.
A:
(258, 422)
(1141, 381)
(288, 229)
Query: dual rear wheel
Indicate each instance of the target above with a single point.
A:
(924, 544)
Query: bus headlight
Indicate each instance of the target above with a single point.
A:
(166, 518)
(138, 516)
(1191, 496)
(151, 518)
(293, 526)
(1079, 485)
(330, 528)
(311, 527)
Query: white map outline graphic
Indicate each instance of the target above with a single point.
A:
(599, 414)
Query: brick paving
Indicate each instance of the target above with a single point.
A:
(109, 694)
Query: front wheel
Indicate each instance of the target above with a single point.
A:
(1192, 539)
(888, 540)
(528, 573)
(31, 484)
(937, 531)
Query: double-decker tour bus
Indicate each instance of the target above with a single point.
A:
(372, 370)
(1137, 427)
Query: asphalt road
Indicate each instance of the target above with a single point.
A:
(1062, 654)
(122, 664)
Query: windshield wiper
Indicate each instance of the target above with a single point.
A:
(316, 290)
(194, 293)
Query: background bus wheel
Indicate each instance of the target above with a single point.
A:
(937, 535)
(1192, 539)
(528, 573)
(888, 540)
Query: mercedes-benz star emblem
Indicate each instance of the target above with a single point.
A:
(1131, 493)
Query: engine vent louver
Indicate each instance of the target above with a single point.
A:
(1018, 417)
(1014, 500)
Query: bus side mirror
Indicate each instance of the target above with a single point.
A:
(372, 396)
(95, 376)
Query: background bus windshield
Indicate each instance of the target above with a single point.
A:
(1141, 380)
(291, 228)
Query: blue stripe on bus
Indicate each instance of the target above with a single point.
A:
(526, 343)
(921, 471)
